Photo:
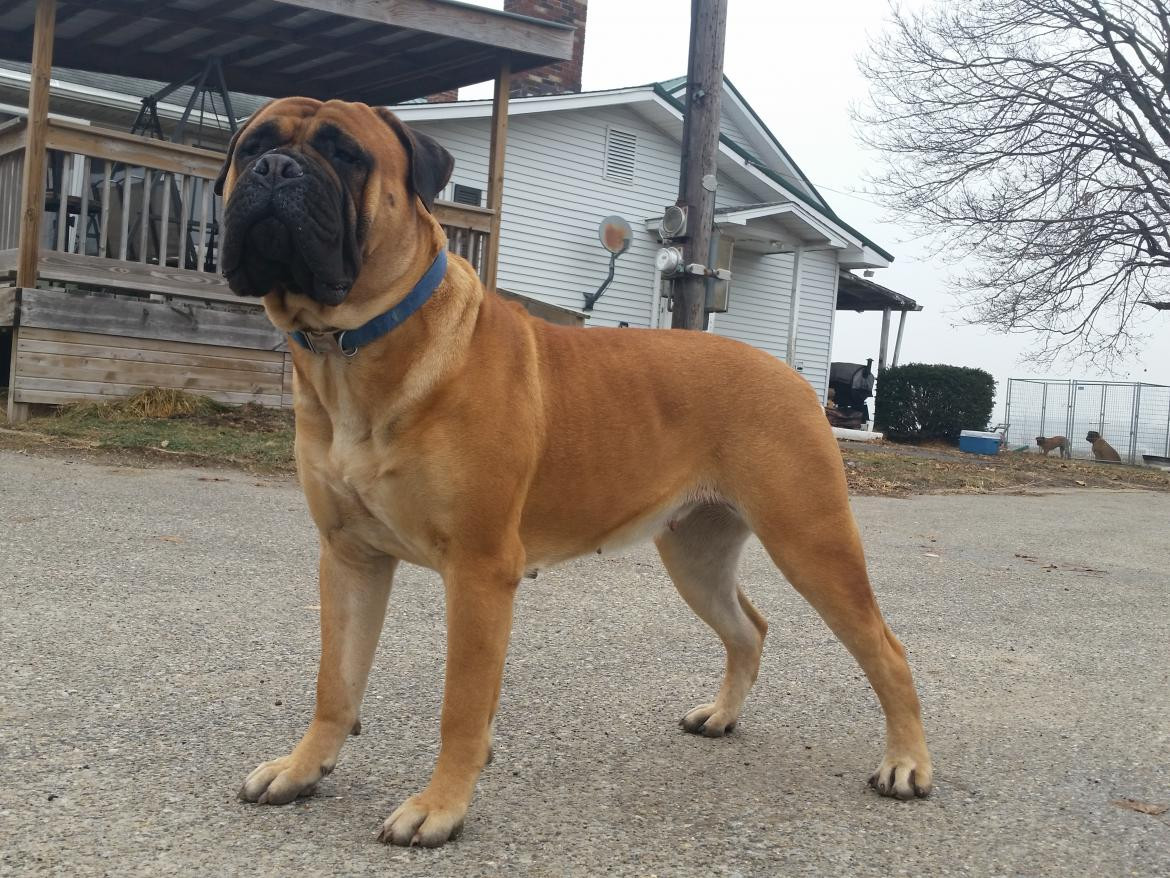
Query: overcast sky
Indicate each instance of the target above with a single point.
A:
(795, 64)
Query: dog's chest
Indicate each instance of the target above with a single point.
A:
(364, 496)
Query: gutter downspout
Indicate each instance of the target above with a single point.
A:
(794, 305)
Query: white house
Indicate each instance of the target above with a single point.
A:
(573, 159)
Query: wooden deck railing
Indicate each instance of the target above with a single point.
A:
(138, 214)
(468, 229)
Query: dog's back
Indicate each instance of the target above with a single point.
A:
(1047, 444)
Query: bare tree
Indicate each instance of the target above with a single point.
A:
(1034, 135)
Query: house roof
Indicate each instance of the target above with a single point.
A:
(741, 208)
(860, 294)
(777, 172)
(812, 197)
(374, 52)
(749, 119)
(774, 227)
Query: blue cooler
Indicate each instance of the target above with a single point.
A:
(979, 442)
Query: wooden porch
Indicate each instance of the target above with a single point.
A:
(110, 242)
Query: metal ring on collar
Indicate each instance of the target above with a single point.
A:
(348, 353)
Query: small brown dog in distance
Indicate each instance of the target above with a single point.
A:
(441, 426)
(1102, 450)
(1053, 442)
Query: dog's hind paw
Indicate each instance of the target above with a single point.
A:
(710, 722)
(903, 777)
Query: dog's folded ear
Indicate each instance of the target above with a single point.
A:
(430, 164)
(231, 150)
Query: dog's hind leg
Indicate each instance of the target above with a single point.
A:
(811, 535)
(700, 552)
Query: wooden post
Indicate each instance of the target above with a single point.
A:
(32, 199)
(495, 192)
(885, 340)
(700, 147)
(898, 343)
(17, 411)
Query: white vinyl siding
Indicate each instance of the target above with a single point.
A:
(760, 290)
(818, 296)
(556, 194)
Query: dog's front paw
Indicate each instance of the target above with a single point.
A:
(903, 777)
(709, 721)
(280, 781)
(423, 821)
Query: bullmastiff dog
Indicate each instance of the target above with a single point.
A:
(438, 425)
(1102, 450)
(1051, 443)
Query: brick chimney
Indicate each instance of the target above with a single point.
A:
(564, 76)
(443, 97)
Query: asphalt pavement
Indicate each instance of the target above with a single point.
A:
(158, 639)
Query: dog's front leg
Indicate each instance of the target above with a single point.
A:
(479, 621)
(354, 592)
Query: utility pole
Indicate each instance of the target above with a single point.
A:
(700, 146)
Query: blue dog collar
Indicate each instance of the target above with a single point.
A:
(347, 341)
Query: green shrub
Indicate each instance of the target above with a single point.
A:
(917, 402)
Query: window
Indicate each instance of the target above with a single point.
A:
(467, 195)
(620, 147)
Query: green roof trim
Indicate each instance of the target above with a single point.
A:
(822, 207)
(776, 142)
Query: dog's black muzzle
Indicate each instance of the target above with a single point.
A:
(287, 225)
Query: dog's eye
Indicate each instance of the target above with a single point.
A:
(247, 150)
(345, 156)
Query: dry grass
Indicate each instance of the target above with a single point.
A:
(161, 423)
(157, 402)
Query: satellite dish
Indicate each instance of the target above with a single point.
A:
(615, 234)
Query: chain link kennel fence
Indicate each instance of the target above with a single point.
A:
(1132, 417)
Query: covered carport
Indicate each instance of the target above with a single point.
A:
(861, 294)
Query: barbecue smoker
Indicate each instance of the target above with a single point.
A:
(850, 385)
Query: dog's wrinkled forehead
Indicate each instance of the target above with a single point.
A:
(339, 134)
(345, 136)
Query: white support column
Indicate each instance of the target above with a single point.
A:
(794, 305)
(885, 341)
(898, 343)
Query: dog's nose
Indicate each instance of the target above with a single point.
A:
(275, 167)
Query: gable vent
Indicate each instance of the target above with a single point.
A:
(620, 147)
(467, 195)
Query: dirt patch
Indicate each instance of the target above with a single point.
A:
(887, 469)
